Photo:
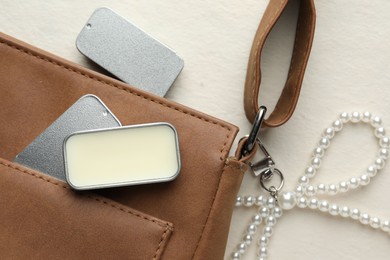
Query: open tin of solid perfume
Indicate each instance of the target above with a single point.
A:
(122, 156)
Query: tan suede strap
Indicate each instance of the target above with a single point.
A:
(303, 41)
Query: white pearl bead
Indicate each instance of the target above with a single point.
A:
(366, 117)
(248, 201)
(236, 256)
(252, 228)
(264, 212)
(271, 202)
(267, 231)
(376, 121)
(323, 206)
(242, 248)
(333, 189)
(238, 201)
(286, 200)
(278, 212)
(313, 203)
(263, 252)
(379, 163)
(354, 182)
(324, 142)
(318, 152)
(344, 117)
(371, 171)
(384, 153)
(384, 142)
(344, 212)
(329, 132)
(303, 180)
(380, 132)
(316, 162)
(310, 171)
(260, 200)
(375, 222)
(385, 225)
(311, 190)
(257, 219)
(337, 125)
(354, 214)
(302, 202)
(247, 239)
(270, 221)
(322, 188)
(364, 179)
(334, 210)
(355, 117)
(364, 218)
(263, 241)
(299, 190)
(344, 186)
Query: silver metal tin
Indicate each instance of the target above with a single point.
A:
(128, 52)
(45, 152)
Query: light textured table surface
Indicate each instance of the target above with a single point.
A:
(349, 70)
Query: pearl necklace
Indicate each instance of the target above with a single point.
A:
(270, 208)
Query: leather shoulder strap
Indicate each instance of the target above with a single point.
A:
(303, 41)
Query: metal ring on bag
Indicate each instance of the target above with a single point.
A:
(271, 189)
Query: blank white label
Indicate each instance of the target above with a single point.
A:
(122, 156)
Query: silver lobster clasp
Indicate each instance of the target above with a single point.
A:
(265, 168)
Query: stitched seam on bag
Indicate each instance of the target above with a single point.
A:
(208, 215)
(274, 16)
(163, 238)
(224, 145)
(21, 49)
(165, 225)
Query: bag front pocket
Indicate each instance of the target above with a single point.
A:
(42, 218)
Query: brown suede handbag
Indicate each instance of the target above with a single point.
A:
(188, 218)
